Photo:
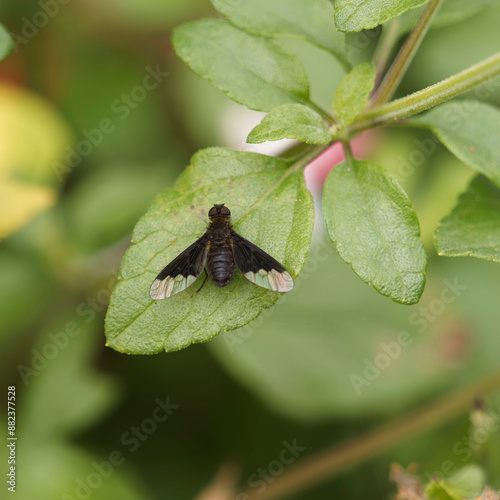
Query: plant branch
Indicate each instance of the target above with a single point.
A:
(329, 118)
(385, 46)
(425, 98)
(309, 154)
(336, 460)
(349, 157)
(398, 68)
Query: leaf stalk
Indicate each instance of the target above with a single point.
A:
(387, 114)
(398, 68)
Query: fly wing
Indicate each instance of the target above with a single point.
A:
(259, 267)
(181, 272)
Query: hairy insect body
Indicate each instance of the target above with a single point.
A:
(220, 260)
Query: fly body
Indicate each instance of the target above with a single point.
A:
(220, 261)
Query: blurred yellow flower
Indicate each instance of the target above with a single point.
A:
(33, 136)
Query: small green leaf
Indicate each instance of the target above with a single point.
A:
(374, 226)
(473, 227)
(270, 206)
(353, 92)
(252, 71)
(467, 482)
(357, 15)
(6, 42)
(291, 121)
(470, 130)
(312, 20)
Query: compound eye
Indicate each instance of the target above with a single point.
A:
(212, 212)
(225, 211)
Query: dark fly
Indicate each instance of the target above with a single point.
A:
(219, 251)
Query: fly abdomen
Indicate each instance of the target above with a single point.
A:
(220, 264)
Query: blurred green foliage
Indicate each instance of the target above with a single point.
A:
(286, 376)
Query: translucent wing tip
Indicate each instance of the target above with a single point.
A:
(162, 289)
(272, 280)
(284, 280)
(157, 290)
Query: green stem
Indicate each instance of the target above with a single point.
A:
(407, 106)
(385, 46)
(425, 98)
(308, 155)
(349, 157)
(321, 112)
(336, 460)
(395, 74)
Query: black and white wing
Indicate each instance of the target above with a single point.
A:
(181, 272)
(259, 267)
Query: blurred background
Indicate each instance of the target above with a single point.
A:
(97, 116)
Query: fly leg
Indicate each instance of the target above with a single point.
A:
(204, 281)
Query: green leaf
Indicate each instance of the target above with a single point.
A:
(466, 482)
(357, 15)
(374, 226)
(6, 42)
(353, 92)
(252, 71)
(270, 206)
(473, 227)
(291, 121)
(470, 130)
(312, 20)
